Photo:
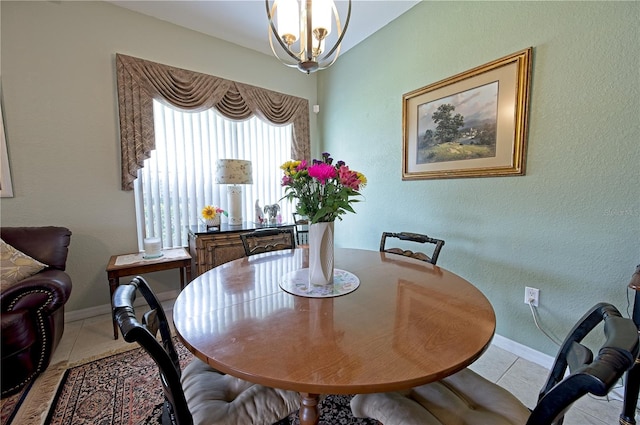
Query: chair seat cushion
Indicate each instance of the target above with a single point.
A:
(464, 398)
(215, 398)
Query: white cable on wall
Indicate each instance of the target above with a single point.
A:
(534, 313)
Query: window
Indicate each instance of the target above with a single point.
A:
(179, 178)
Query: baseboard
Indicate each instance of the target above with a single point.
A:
(523, 351)
(87, 313)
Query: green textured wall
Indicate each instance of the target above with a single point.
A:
(571, 226)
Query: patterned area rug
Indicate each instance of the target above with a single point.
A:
(125, 389)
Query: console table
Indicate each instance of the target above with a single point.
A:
(219, 245)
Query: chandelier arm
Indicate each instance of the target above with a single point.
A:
(308, 29)
(344, 30)
(282, 61)
(273, 32)
(320, 68)
(273, 50)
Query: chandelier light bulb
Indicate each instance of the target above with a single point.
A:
(321, 18)
(287, 15)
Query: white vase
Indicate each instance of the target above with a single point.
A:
(321, 253)
(213, 222)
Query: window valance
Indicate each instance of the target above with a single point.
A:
(141, 81)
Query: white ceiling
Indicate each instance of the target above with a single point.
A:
(244, 22)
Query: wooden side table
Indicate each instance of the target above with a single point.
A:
(135, 264)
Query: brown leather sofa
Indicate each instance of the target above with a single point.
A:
(32, 311)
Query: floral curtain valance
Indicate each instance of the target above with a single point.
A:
(140, 81)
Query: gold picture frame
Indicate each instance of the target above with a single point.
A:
(473, 124)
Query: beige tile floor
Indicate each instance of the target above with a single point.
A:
(94, 336)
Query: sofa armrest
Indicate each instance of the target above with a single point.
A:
(48, 290)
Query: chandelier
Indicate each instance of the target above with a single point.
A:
(303, 31)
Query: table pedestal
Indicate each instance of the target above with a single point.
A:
(309, 413)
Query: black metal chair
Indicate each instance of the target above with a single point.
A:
(413, 237)
(199, 394)
(466, 397)
(632, 383)
(302, 229)
(266, 240)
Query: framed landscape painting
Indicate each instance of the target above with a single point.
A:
(473, 124)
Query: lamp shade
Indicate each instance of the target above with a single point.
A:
(233, 171)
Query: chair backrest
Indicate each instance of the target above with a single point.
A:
(266, 240)
(302, 229)
(587, 375)
(163, 352)
(413, 237)
(632, 383)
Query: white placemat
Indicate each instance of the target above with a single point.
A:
(297, 283)
(167, 254)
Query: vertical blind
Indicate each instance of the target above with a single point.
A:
(178, 180)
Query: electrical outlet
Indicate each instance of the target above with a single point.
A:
(531, 295)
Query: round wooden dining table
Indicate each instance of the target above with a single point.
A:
(408, 323)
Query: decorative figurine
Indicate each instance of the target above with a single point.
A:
(272, 211)
(259, 216)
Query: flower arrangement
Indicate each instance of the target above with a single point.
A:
(324, 191)
(210, 212)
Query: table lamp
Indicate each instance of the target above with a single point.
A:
(234, 172)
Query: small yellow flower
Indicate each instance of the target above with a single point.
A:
(209, 212)
(362, 178)
(289, 167)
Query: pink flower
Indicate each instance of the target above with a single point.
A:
(286, 180)
(302, 165)
(322, 172)
(349, 178)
